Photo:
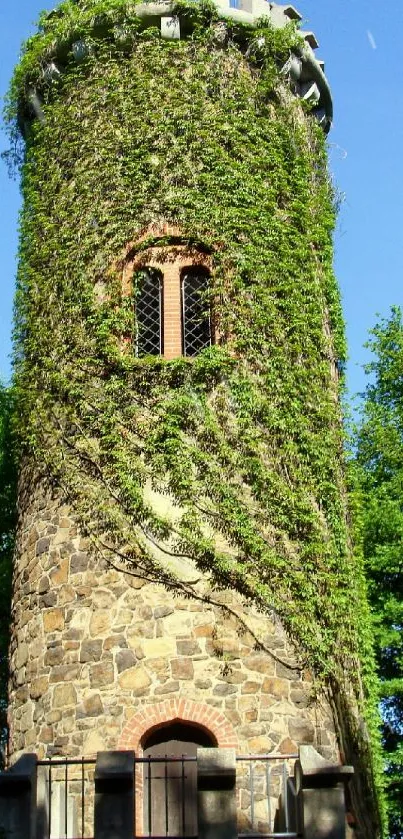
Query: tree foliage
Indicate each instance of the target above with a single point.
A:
(380, 461)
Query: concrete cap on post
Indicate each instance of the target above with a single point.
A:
(216, 768)
(18, 798)
(114, 795)
(313, 771)
(114, 767)
(216, 793)
(321, 786)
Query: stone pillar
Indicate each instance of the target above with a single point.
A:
(321, 791)
(114, 795)
(18, 799)
(216, 794)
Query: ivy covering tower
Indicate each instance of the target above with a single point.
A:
(183, 529)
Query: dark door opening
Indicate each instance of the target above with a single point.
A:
(170, 779)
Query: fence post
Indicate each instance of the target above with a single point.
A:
(18, 799)
(114, 795)
(321, 787)
(216, 793)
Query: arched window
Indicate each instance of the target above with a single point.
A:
(196, 318)
(148, 302)
(170, 779)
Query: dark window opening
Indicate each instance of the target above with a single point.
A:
(170, 779)
(148, 303)
(196, 317)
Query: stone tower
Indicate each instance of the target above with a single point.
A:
(183, 554)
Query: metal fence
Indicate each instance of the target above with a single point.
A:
(267, 802)
(167, 797)
(66, 798)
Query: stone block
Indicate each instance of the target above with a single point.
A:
(284, 672)
(124, 660)
(42, 546)
(102, 674)
(204, 630)
(46, 601)
(78, 563)
(287, 747)
(203, 684)
(224, 689)
(62, 535)
(53, 620)
(91, 650)
(115, 641)
(21, 657)
(64, 672)
(93, 743)
(66, 594)
(91, 707)
(321, 789)
(59, 575)
(300, 698)
(168, 687)
(80, 618)
(276, 687)
(259, 745)
(250, 687)
(158, 647)
(301, 730)
(103, 598)
(187, 648)
(54, 656)
(43, 585)
(136, 679)
(100, 623)
(260, 663)
(182, 668)
(64, 695)
(163, 611)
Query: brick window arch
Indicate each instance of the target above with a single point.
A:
(174, 319)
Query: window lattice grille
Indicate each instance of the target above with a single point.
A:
(148, 308)
(196, 321)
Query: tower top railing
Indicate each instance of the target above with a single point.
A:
(302, 71)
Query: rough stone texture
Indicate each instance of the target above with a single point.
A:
(92, 648)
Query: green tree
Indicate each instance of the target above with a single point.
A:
(8, 486)
(380, 464)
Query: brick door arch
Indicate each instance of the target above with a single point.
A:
(152, 717)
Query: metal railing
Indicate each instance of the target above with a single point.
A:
(66, 800)
(267, 796)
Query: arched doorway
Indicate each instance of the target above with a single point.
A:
(170, 778)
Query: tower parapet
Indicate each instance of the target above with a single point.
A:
(304, 72)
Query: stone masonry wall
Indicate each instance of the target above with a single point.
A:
(98, 658)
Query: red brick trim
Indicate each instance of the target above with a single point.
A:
(150, 717)
(177, 710)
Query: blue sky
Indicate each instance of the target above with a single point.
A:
(360, 45)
